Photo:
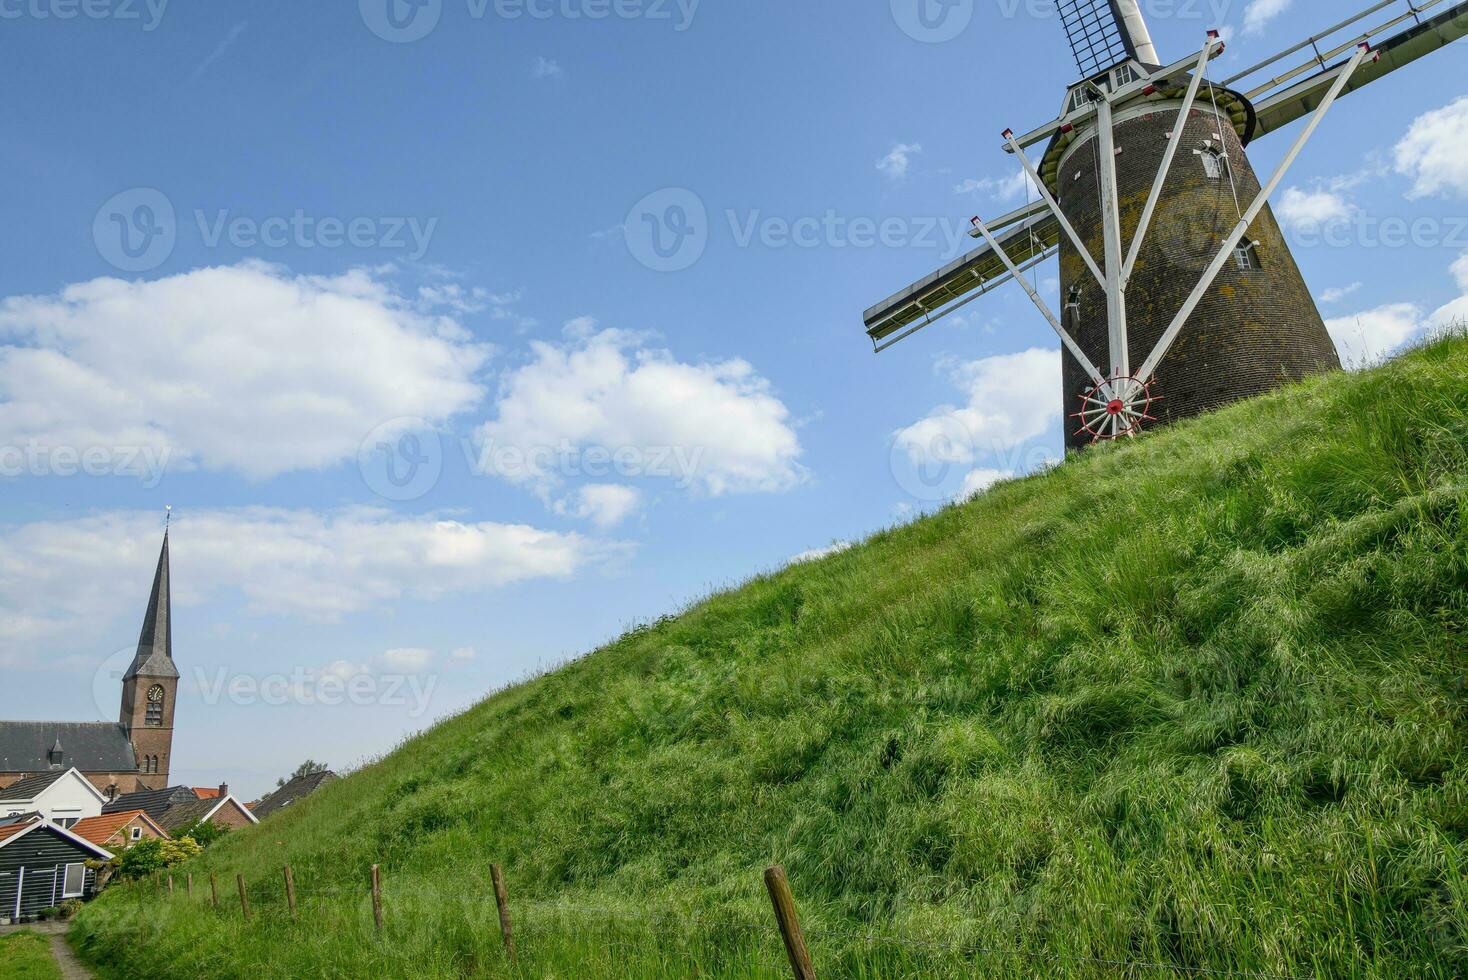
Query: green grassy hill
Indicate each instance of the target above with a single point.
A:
(1195, 700)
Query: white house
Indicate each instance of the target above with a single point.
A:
(62, 798)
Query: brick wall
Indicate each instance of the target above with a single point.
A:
(1254, 329)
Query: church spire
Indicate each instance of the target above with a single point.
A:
(155, 643)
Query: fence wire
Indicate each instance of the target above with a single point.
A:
(560, 918)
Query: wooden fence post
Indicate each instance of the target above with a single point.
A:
(789, 921)
(170, 884)
(189, 885)
(502, 901)
(244, 902)
(290, 890)
(377, 898)
(213, 891)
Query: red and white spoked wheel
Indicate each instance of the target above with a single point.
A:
(1115, 409)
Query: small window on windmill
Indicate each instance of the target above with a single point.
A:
(1073, 297)
(1215, 163)
(1246, 256)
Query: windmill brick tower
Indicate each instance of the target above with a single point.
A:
(1176, 280)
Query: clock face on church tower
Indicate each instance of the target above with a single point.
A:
(155, 694)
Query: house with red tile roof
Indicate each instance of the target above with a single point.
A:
(119, 830)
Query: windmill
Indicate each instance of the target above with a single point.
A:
(1180, 293)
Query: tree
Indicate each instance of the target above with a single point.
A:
(307, 768)
(201, 832)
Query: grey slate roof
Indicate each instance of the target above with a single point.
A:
(91, 746)
(31, 786)
(155, 643)
(186, 812)
(153, 802)
(291, 792)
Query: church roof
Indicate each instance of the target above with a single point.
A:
(91, 746)
(155, 643)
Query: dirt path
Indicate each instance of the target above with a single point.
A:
(71, 968)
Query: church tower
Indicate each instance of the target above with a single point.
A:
(150, 686)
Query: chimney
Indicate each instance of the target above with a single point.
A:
(223, 790)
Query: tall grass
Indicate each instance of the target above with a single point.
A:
(1196, 700)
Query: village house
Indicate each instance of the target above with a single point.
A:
(43, 865)
(63, 797)
(118, 831)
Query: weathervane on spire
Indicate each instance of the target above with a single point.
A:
(167, 516)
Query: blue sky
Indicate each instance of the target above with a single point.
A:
(259, 251)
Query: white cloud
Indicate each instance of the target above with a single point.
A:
(1011, 398)
(816, 554)
(463, 654)
(1312, 209)
(244, 368)
(603, 504)
(1434, 153)
(1015, 187)
(895, 164)
(65, 580)
(547, 68)
(1365, 338)
(977, 481)
(407, 660)
(713, 424)
(1338, 293)
(1455, 313)
(1260, 13)
(1368, 337)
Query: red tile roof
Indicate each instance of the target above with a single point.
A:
(99, 830)
(206, 792)
(9, 830)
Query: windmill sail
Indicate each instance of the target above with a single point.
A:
(1031, 235)
(1288, 97)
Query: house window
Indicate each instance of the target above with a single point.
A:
(137, 833)
(1215, 164)
(1246, 257)
(67, 822)
(75, 882)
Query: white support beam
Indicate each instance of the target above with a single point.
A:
(1170, 335)
(1111, 232)
(1042, 306)
(1172, 146)
(1054, 207)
